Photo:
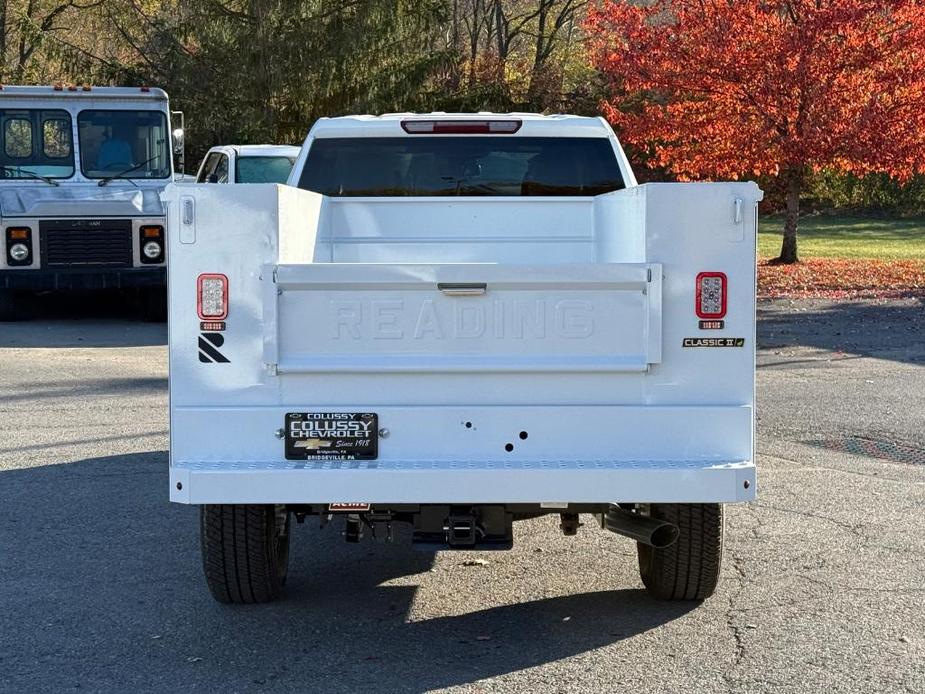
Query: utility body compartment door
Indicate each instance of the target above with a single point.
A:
(376, 318)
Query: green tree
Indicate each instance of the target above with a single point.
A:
(264, 70)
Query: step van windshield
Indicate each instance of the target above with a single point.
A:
(118, 142)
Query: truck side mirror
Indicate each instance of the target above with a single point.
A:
(178, 138)
(212, 178)
(178, 141)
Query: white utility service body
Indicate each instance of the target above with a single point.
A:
(81, 174)
(542, 351)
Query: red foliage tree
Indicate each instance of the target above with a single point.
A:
(722, 88)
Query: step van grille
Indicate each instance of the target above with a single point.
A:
(86, 243)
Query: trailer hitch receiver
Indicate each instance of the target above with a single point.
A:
(461, 530)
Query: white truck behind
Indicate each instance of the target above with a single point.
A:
(458, 322)
(247, 164)
(81, 173)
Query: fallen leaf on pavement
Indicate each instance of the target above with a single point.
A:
(841, 278)
(475, 562)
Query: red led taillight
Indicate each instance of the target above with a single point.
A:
(212, 296)
(711, 295)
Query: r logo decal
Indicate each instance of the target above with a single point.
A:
(208, 348)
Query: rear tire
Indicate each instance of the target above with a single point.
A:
(689, 568)
(245, 552)
(10, 308)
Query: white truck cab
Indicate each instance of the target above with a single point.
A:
(81, 173)
(247, 164)
(459, 321)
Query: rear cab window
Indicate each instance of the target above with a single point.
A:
(264, 169)
(466, 165)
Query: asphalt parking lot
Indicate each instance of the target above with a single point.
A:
(824, 576)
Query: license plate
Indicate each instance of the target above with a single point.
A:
(332, 435)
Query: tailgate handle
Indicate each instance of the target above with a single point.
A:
(462, 288)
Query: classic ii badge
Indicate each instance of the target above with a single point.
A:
(713, 342)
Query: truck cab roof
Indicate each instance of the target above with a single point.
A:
(258, 150)
(531, 124)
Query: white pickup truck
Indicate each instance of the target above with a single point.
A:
(457, 322)
(247, 164)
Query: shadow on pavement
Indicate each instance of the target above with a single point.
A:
(886, 330)
(120, 387)
(80, 334)
(82, 319)
(104, 591)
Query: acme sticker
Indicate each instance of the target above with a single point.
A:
(713, 342)
(349, 506)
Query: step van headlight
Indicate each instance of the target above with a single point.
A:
(18, 246)
(151, 238)
(19, 252)
(152, 250)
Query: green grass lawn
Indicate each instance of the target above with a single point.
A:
(825, 236)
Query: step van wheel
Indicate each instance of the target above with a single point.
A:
(689, 568)
(245, 551)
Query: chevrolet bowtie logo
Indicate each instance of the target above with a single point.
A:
(313, 444)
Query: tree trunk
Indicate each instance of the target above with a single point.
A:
(539, 58)
(793, 179)
(475, 32)
(502, 40)
(454, 75)
(261, 50)
(3, 12)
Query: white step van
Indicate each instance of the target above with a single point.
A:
(81, 174)
(456, 322)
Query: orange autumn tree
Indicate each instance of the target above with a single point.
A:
(732, 88)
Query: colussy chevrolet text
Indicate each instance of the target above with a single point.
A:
(456, 322)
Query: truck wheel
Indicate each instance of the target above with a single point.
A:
(689, 568)
(10, 310)
(245, 551)
(154, 305)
